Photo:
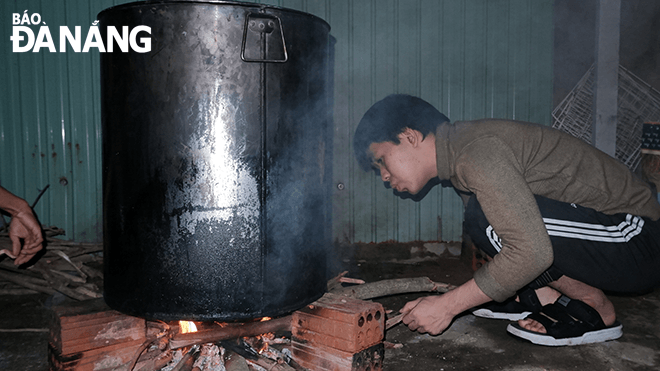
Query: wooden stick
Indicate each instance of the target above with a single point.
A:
(156, 363)
(59, 285)
(231, 331)
(91, 272)
(73, 294)
(23, 281)
(25, 330)
(87, 291)
(17, 292)
(22, 274)
(392, 287)
(9, 266)
(334, 282)
(391, 322)
(68, 260)
(186, 363)
(356, 281)
(67, 276)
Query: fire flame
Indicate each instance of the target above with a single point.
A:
(187, 326)
(264, 319)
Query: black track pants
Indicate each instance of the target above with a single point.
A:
(617, 253)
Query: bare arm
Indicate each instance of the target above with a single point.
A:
(24, 226)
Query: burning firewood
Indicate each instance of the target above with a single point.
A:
(231, 331)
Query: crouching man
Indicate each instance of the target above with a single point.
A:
(562, 220)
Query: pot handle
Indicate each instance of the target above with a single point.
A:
(263, 39)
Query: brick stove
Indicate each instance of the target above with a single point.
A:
(339, 333)
(335, 333)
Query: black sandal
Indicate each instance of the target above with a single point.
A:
(568, 322)
(511, 309)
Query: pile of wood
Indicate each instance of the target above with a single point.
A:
(72, 269)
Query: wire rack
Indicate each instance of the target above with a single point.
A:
(638, 102)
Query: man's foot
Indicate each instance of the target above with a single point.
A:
(567, 322)
(574, 289)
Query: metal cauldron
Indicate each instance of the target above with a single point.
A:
(217, 168)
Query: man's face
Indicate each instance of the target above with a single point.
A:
(399, 165)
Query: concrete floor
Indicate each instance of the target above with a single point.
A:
(473, 343)
(469, 344)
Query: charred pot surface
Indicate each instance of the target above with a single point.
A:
(217, 168)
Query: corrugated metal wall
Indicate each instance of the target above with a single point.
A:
(471, 59)
(50, 119)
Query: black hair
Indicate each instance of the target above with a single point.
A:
(388, 118)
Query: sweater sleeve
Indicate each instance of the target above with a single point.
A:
(489, 169)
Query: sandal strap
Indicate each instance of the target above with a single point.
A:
(527, 297)
(558, 313)
(581, 311)
(567, 318)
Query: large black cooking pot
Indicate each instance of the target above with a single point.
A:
(216, 152)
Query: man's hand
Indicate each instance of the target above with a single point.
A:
(24, 229)
(24, 226)
(427, 315)
(433, 314)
